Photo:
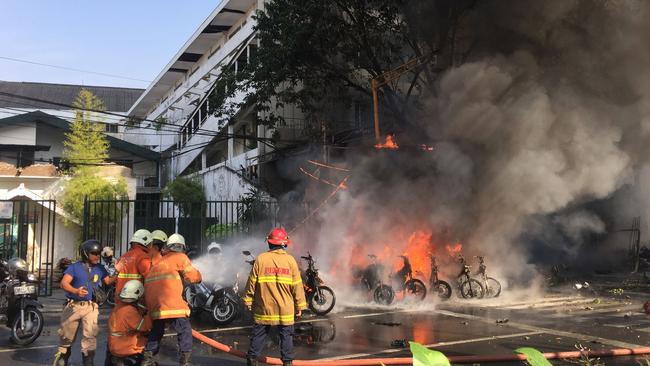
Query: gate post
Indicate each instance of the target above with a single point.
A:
(86, 218)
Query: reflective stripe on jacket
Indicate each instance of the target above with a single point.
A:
(163, 285)
(127, 330)
(127, 268)
(275, 289)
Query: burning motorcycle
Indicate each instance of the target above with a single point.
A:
(435, 283)
(371, 280)
(223, 304)
(320, 298)
(469, 287)
(411, 287)
(19, 305)
(492, 286)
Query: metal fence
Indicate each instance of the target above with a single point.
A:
(113, 222)
(27, 230)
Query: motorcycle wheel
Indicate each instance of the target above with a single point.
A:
(493, 288)
(443, 289)
(384, 295)
(33, 327)
(110, 296)
(323, 300)
(472, 289)
(224, 313)
(415, 289)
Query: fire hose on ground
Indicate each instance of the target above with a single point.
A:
(409, 361)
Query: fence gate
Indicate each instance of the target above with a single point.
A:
(113, 222)
(27, 229)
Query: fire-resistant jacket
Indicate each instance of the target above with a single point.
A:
(127, 329)
(127, 268)
(163, 285)
(274, 288)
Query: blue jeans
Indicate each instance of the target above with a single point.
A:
(182, 326)
(258, 338)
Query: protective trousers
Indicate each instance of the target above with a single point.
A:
(75, 313)
(258, 338)
(182, 326)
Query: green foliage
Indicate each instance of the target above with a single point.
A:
(94, 188)
(534, 357)
(220, 231)
(318, 54)
(188, 193)
(423, 356)
(86, 143)
(255, 213)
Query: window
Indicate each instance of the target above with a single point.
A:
(204, 110)
(110, 127)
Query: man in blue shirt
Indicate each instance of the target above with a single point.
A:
(79, 281)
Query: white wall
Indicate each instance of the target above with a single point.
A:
(18, 134)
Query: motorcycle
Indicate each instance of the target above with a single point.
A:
(19, 305)
(320, 298)
(222, 303)
(411, 287)
(109, 264)
(371, 280)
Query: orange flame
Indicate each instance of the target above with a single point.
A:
(455, 249)
(389, 144)
(424, 147)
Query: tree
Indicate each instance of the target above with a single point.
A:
(320, 54)
(86, 143)
(188, 193)
(86, 147)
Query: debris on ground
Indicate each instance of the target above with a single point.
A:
(646, 307)
(617, 291)
(399, 343)
(588, 308)
(389, 324)
(503, 321)
(464, 322)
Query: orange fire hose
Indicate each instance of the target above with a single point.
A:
(409, 361)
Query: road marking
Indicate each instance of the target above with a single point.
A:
(548, 304)
(27, 348)
(544, 300)
(609, 308)
(560, 333)
(431, 345)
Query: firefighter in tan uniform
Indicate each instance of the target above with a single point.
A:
(275, 295)
(163, 288)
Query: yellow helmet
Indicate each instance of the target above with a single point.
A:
(159, 235)
(142, 237)
(132, 291)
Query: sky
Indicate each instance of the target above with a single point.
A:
(133, 39)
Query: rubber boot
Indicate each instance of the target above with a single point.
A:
(251, 362)
(88, 358)
(147, 359)
(61, 359)
(185, 359)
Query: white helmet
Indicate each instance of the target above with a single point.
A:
(214, 248)
(142, 237)
(176, 243)
(107, 252)
(132, 291)
(159, 235)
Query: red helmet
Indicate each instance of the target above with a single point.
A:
(278, 236)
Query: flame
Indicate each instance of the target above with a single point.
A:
(455, 249)
(388, 144)
(424, 147)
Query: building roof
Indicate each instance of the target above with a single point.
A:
(60, 123)
(216, 25)
(115, 99)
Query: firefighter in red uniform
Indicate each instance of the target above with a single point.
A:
(275, 294)
(127, 265)
(163, 288)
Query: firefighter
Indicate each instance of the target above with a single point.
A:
(275, 294)
(163, 288)
(127, 265)
(79, 281)
(158, 242)
(128, 325)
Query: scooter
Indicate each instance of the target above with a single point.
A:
(320, 298)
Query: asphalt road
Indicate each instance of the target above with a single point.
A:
(555, 322)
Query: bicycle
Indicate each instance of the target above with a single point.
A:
(371, 279)
(443, 288)
(469, 287)
(409, 285)
(491, 285)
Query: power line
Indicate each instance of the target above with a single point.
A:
(72, 69)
